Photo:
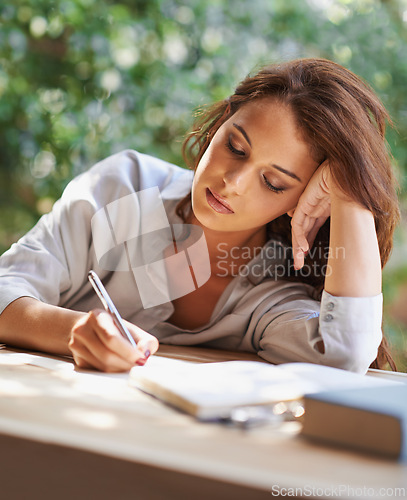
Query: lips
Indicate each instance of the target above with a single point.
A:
(217, 203)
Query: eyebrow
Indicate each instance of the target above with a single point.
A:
(277, 167)
(287, 172)
(243, 131)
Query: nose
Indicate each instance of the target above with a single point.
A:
(238, 179)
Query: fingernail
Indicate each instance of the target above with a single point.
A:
(147, 354)
(141, 362)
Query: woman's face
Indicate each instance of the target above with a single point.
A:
(254, 170)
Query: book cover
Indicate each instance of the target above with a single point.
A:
(372, 420)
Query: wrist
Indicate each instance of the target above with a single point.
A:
(341, 200)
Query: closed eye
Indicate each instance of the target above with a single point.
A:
(233, 149)
(270, 186)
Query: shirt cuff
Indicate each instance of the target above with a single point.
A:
(351, 329)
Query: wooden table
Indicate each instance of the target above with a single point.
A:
(87, 435)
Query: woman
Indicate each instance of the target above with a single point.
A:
(295, 157)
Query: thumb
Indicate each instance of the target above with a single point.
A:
(147, 344)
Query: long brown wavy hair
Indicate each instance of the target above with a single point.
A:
(342, 120)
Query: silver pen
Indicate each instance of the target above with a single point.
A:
(110, 307)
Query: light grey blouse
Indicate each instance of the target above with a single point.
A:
(281, 321)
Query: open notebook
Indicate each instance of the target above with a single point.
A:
(211, 390)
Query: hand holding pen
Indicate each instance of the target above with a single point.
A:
(110, 307)
(101, 339)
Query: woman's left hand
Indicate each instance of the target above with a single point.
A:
(312, 210)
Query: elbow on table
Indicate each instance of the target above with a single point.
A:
(357, 356)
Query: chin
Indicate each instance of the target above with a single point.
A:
(212, 222)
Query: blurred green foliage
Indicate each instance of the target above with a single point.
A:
(81, 79)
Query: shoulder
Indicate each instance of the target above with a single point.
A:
(127, 172)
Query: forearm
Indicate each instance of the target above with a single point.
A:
(31, 324)
(354, 268)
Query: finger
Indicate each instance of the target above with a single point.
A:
(108, 333)
(88, 362)
(314, 231)
(300, 225)
(82, 335)
(146, 343)
(108, 361)
(299, 260)
(81, 363)
(96, 340)
(298, 253)
(148, 347)
(300, 230)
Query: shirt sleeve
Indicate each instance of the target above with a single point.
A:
(349, 327)
(51, 262)
(52, 259)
